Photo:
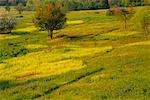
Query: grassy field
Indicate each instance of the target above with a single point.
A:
(92, 58)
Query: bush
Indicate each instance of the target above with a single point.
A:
(109, 13)
(7, 22)
(20, 8)
(7, 8)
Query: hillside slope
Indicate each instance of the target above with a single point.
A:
(93, 58)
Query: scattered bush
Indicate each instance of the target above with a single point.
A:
(7, 22)
(7, 8)
(109, 13)
(20, 8)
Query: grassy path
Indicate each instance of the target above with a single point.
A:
(68, 83)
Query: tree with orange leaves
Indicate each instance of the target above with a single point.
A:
(50, 17)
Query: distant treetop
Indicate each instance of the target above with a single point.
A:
(78, 4)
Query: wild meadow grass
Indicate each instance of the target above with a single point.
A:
(92, 58)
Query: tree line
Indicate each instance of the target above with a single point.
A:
(12, 2)
(78, 4)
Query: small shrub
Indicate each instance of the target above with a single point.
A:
(7, 22)
(7, 8)
(109, 13)
(20, 8)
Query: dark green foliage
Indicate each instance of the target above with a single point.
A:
(7, 8)
(104, 4)
(126, 3)
(19, 33)
(77, 4)
(13, 50)
(12, 2)
(86, 4)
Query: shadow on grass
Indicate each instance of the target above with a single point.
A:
(76, 79)
(19, 33)
(14, 47)
(10, 84)
(51, 83)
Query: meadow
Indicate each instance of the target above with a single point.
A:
(92, 58)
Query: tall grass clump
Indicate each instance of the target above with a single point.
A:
(140, 20)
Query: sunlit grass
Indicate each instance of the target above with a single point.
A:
(35, 46)
(75, 22)
(139, 43)
(43, 63)
(7, 36)
(46, 69)
(27, 29)
(121, 34)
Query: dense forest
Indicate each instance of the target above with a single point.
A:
(80, 4)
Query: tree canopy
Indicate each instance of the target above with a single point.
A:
(50, 17)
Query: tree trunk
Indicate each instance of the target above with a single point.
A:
(19, 12)
(125, 22)
(9, 31)
(50, 34)
(125, 26)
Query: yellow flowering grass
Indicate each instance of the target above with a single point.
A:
(7, 36)
(75, 22)
(27, 29)
(46, 63)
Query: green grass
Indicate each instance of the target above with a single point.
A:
(96, 59)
